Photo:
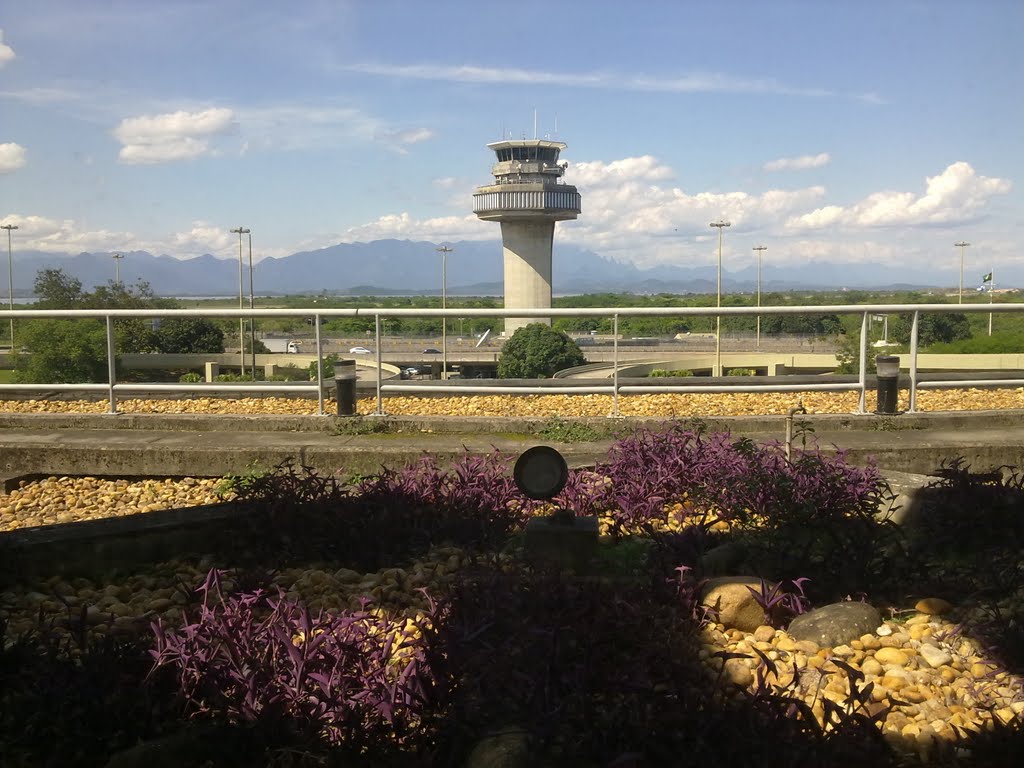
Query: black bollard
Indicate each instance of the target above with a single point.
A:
(888, 368)
(345, 387)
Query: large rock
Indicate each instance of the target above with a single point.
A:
(835, 624)
(736, 606)
(506, 748)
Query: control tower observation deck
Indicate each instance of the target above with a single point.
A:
(527, 197)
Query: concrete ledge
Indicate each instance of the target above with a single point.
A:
(329, 424)
(94, 547)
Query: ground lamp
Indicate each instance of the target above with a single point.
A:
(562, 537)
(345, 387)
(888, 372)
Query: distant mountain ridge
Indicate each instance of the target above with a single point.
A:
(404, 267)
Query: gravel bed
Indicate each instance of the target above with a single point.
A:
(665, 405)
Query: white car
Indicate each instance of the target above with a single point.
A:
(359, 351)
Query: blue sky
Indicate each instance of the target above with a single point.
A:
(828, 131)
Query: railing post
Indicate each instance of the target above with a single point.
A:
(615, 365)
(380, 397)
(913, 363)
(862, 401)
(111, 364)
(319, 367)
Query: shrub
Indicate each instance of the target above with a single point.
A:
(190, 378)
(356, 680)
(537, 351)
(741, 372)
(388, 517)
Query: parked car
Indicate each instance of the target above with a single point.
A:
(359, 351)
(431, 351)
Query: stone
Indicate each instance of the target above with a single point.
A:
(737, 672)
(506, 748)
(835, 624)
(933, 606)
(764, 634)
(735, 604)
(893, 656)
(871, 666)
(723, 560)
(934, 657)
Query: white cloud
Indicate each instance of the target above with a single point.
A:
(629, 213)
(690, 82)
(954, 195)
(801, 163)
(6, 52)
(12, 157)
(400, 139)
(172, 136)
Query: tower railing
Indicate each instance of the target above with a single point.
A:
(114, 388)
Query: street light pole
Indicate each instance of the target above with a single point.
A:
(241, 301)
(759, 249)
(444, 250)
(991, 288)
(720, 225)
(961, 245)
(10, 277)
(252, 321)
(117, 267)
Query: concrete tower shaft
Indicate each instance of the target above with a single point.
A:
(527, 197)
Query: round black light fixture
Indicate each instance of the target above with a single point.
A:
(540, 472)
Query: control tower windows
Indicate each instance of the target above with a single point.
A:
(528, 154)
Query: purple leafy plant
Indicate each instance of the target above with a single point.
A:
(782, 601)
(354, 679)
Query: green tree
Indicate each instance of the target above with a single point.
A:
(537, 351)
(55, 289)
(933, 328)
(190, 335)
(63, 352)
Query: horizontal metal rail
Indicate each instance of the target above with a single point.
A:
(113, 388)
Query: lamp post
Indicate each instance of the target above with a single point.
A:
(991, 288)
(720, 225)
(961, 245)
(117, 267)
(444, 250)
(759, 249)
(252, 322)
(241, 301)
(10, 277)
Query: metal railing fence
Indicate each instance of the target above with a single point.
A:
(113, 388)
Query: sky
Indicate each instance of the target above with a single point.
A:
(828, 132)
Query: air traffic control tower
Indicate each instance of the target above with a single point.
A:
(527, 197)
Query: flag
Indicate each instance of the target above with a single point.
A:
(987, 278)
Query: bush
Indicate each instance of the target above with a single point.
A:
(661, 372)
(190, 378)
(355, 680)
(537, 351)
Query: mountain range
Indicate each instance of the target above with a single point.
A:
(474, 268)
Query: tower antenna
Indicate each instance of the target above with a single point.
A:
(535, 122)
